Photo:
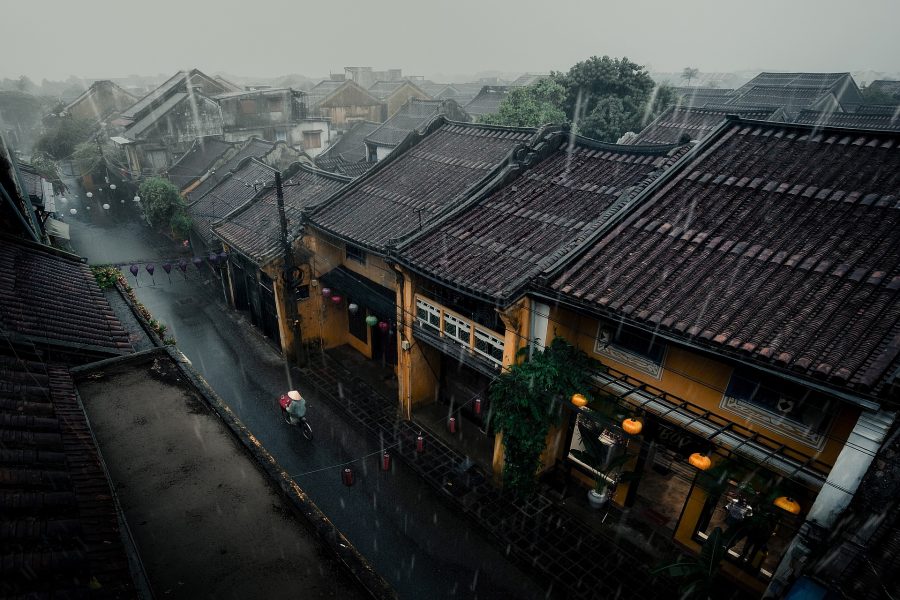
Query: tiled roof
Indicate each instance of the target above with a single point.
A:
(336, 164)
(383, 89)
(351, 146)
(877, 109)
(488, 100)
(775, 97)
(322, 90)
(463, 93)
(777, 243)
(59, 535)
(695, 123)
(819, 81)
(700, 96)
(417, 182)
(854, 120)
(888, 86)
(149, 119)
(412, 115)
(135, 110)
(496, 244)
(228, 195)
(254, 147)
(255, 230)
(528, 79)
(49, 297)
(194, 163)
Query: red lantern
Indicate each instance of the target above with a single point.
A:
(383, 326)
(477, 406)
(386, 462)
(452, 424)
(347, 476)
(420, 444)
(336, 299)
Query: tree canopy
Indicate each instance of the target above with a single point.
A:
(163, 206)
(531, 106)
(60, 141)
(602, 97)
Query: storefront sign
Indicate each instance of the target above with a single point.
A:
(678, 440)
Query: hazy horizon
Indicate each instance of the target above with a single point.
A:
(105, 39)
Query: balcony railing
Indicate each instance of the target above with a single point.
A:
(450, 326)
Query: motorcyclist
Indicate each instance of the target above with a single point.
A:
(295, 406)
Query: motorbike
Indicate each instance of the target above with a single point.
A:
(284, 402)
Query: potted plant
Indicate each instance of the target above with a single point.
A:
(603, 452)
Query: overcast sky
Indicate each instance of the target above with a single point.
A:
(100, 38)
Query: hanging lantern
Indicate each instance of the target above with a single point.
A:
(63, 199)
(112, 186)
(105, 206)
(353, 308)
(579, 400)
(73, 211)
(198, 262)
(134, 270)
(787, 504)
(182, 264)
(386, 462)
(371, 320)
(150, 268)
(347, 476)
(336, 299)
(383, 326)
(137, 198)
(213, 257)
(700, 461)
(632, 426)
(167, 267)
(88, 207)
(420, 444)
(89, 195)
(451, 423)
(477, 406)
(326, 292)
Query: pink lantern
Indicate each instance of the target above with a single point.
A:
(336, 299)
(383, 326)
(326, 292)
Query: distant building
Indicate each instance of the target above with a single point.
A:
(395, 94)
(886, 86)
(204, 155)
(348, 155)
(794, 92)
(488, 100)
(274, 114)
(528, 79)
(413, 115)
(162, 125)
(678, 124)
(99, 101)
(367, 76)
(344, 103)
(699, 97)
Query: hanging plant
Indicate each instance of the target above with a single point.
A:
(528, 399)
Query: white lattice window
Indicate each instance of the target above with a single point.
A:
(428, 315)
(489, 346)
(457, 329)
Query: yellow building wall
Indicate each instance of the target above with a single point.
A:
(417, 379)
(699, 380)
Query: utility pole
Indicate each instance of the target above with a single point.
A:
(287, 276)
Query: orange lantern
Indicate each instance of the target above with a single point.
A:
(632, 426)
(787, 504)
(700, 461)
(579, 400)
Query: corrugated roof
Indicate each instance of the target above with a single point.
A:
(777, 243)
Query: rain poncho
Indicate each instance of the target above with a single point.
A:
(297, 410)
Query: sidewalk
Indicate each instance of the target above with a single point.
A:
(540, 535)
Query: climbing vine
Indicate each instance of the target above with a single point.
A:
(528, 399)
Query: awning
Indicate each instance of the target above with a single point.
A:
(725, 434)
(57, 229)
(379, 300)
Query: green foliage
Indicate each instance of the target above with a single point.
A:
(106, 275)
(87, 158)
(47, 167)
(696, 575)
(875, 96)
(531, 106)
(606, 97)
(528, 398)
(161, 201)
(62, 138)
(180, 221)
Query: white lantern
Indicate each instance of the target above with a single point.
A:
(137, 198)
(105, 206)
(73, 211)
(63, 199)
(112, 186)
(90, 194)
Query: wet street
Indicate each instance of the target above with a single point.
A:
(421, 546)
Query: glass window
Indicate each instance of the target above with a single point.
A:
(312, 139)
(428, 315)
(489, 346)
(637, 349)
(457, 329)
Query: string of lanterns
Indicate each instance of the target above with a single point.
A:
(353, 308)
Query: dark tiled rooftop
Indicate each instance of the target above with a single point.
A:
(49, 297)
(701, 96)
(778, 243)
(412, 115)
(229, 194)
(819, 81)
(413, 185)
(858, 120)
(695, 123)
(194, 163)
(255, 230)
(336, 164)
(777, 96)
(351, 146)
(886, 86)
(496, 245)
(59, 532)
(488, 100)
(253, 147)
